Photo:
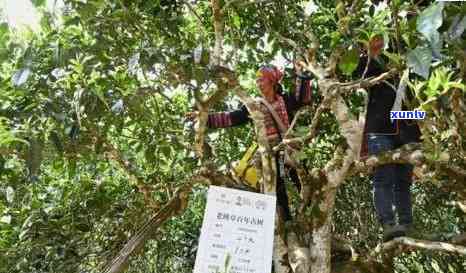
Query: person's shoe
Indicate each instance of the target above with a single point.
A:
(412, 232)
(391, 231)
(408, 230)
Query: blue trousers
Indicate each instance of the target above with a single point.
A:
(391, 183)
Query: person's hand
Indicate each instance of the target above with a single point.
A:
(376, 45)
(191, 115)
(298, 67)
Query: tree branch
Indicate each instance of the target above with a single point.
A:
(365, 83)
(293, 122)
(333, 61)
(203, 106)
(350, 127)
(113, 153)
(458, 106)
(459, 239)
(193, 11)
(312, 128)
(220, 179)
(143, 91)
(269, 172)
(408, 153)
(461, 205)
(217, 16)
(173, 207)
(226, 80)
(200, 128)
(243, 3)
(392, 245)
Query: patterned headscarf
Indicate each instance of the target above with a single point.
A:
(270, 72)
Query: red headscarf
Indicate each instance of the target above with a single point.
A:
(270, 72)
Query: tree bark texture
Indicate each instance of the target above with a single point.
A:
(320, 246)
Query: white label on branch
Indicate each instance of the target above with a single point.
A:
(237, 232)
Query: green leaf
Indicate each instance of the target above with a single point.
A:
(435, 266)
(3, 29)
(433, 87)
(301, 155)
(237, 21)
(429, 21)
(419, 61)
(21, 76)
(38, 3)
(395, 58)
(166, 150)
(446, 134)
(349, 62)
(457, 27)
(6, 219)
(227, 262)
(451, 269)
(10, 194)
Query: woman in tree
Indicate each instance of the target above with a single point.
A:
(285, 105)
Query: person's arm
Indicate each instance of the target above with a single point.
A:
(228, 119)
(305, 86)
(373, 69)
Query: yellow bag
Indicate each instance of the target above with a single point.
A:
(244, 170)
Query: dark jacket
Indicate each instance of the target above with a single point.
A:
(381, 99)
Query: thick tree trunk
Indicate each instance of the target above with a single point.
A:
(268, 173)
(320, 249)
(299, 256)
(280, 252)
(320, 246)
(200, 128)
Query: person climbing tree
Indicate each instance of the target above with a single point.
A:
(391, 182)
(284, 105)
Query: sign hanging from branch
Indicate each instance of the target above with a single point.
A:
(237, 232)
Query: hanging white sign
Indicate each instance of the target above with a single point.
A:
(237, 232)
